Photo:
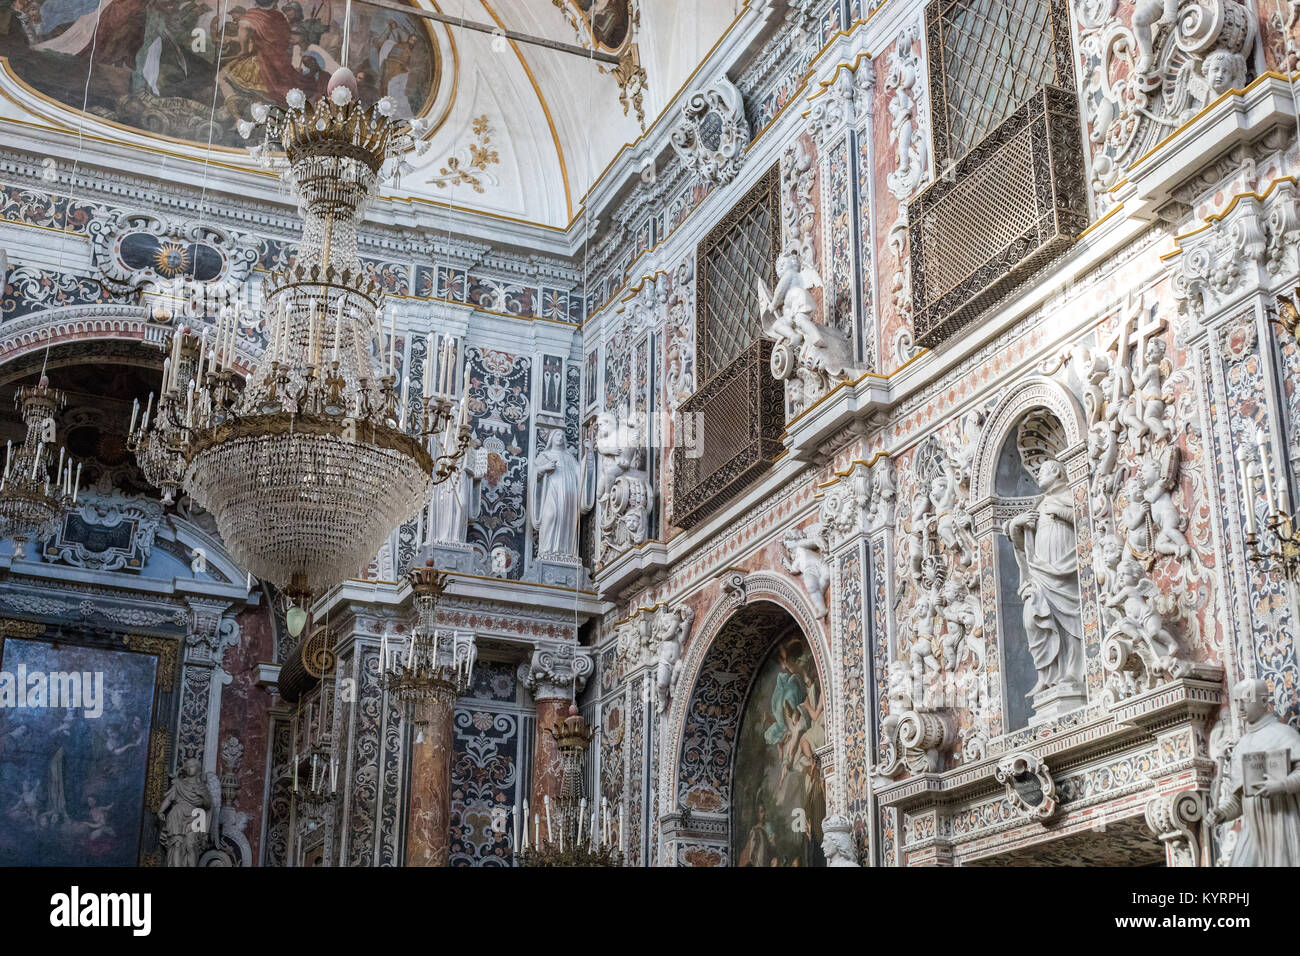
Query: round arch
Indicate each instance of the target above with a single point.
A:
(723, 660)
(1038, 391)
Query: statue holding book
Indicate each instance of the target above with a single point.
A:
(1263, 784)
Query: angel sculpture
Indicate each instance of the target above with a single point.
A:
(1150, 398)
(806, 557)
(1158, 484)
(1138, 618)
(670, 630)
(786, 313)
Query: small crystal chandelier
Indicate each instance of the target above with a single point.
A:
(160, 450)
(309, 465)
(32, 503)
(562, 834)
(432, 663)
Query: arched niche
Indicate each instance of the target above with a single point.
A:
(743, 644)
(1035, 420)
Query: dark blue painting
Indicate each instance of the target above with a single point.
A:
(72, 760)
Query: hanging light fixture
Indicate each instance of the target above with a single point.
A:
(431, 662)
(32, 500)
(568, 831)
(308, 465)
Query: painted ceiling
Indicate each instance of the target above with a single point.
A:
(520, 130)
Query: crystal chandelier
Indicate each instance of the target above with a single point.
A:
(562, 834)
(309, 465)
(32, 502)
(432, 663)
(160, 450)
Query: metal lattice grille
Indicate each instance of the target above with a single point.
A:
(995, 208)
(730, 423)
(996, 53)
(733, 257)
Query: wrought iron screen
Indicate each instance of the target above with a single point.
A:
(995, 55)
(1007, 141)
(739, 417)
(737, 252)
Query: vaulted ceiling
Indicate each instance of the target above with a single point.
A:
(520, 130)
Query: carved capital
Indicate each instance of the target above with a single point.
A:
(556, 671)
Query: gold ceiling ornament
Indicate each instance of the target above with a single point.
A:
(309, 463)
(34, 499)
(470, 166)
(567, 832)
(613, 31)
(1286, 315)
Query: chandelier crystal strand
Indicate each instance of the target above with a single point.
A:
(38, 485)
(309, 465)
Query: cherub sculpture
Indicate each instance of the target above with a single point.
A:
(805, 556)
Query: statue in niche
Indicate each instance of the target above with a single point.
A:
(184, 815)
(1048, 558)
(456, 501)
(553, 497)
(805, 556)
(1263, 784)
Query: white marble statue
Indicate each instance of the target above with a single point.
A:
(1158, 484)
(805, 556)
(1132, 595)
(814, 354)
(553, 497)
(184, 814)
(1048, 557)
(837, 841)
(1263, 784)
(671, 628)
(456, 500)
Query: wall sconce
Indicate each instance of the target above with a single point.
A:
(1254, 463)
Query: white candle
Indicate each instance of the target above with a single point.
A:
(1261, 444)
(546, 799)
(76, 485)
(167, 374)
(526, 818)
(9, 455)
(537, 831)
(383, 652)
(135, 410)
(582, 816)
(148, 406)
(426, 382)
(514, 833)
(392, 340)
(591, 837)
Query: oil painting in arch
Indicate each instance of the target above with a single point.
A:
(779, 795)
(156, 62)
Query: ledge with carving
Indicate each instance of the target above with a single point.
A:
(1093, 760)
(1238, 117)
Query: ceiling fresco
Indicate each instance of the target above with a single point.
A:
(174, 68)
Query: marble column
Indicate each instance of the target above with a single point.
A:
(428, 826)
(555, 675)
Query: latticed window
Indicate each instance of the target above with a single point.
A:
(1009, 194)
(739, 251)
(995, 55)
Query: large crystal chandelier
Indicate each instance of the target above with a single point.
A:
(431, 663)
(33, 500)
(309, 465)
(567, 832)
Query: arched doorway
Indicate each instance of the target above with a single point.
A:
(750, 781)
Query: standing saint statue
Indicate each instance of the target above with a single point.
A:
(183, 815)
(456, 500)
(1048, 558)
(553, 497)
(1263, 784)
